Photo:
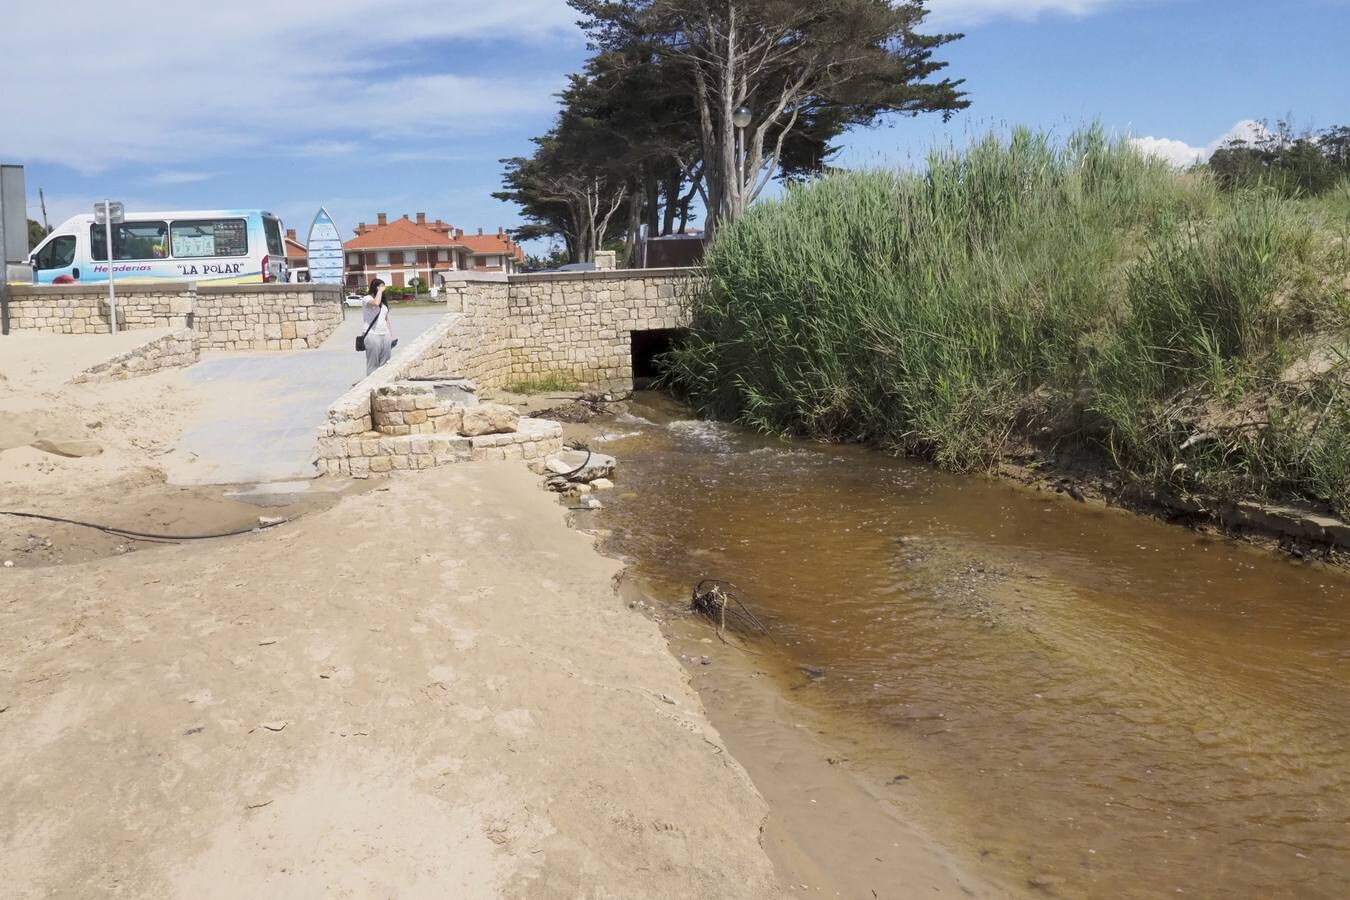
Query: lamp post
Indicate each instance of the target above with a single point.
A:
(740, 117)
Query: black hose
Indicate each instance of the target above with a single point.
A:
(584, 463)
(141, 535)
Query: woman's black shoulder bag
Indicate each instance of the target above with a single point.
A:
(361, 338)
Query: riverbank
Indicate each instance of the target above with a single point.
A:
(429, 690)
(1064, 302)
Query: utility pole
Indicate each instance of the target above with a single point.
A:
(13, 232)
(109, 213)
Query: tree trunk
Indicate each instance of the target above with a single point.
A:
(673, 180)
(634, 227)
(651, 191)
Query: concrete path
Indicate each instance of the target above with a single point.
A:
(260, 424)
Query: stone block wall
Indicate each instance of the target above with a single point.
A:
(173, 350)
(266, 316)
(577, 325)
(406, 408)
(477, 347)
(223, 317)
(377, 454)
(83, 308)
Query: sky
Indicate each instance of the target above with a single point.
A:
(406, 106)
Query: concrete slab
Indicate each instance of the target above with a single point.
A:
(260, 425)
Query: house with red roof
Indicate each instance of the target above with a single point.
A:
(492, 252)
(297, 254)
(402, 249)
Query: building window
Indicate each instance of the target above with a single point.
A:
(382, 258)
(354, 259)
(443, 255)
(395, 257)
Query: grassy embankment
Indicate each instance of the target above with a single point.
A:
(1024, 295)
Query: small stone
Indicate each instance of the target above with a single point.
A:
(72, 449)
(602, 484)
(577, 465)
(9, 564)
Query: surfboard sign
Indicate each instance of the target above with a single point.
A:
(325, 250)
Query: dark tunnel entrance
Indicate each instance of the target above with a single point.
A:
(647, 348)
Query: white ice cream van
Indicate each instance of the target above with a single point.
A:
(213, 246)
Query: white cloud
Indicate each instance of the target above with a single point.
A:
(1181, 154)
(158, 84)
(1178, 153)
(176, 177)
(963, 13)
(325, 148)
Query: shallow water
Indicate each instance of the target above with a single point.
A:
(1092, 703)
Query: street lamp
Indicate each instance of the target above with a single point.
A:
(740, 117)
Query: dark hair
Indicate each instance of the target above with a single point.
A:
(374, 285)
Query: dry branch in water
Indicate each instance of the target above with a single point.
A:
(712, 599)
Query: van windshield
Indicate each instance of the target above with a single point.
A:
(272, 228)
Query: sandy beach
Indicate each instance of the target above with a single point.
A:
(424, 687)
(429, 690)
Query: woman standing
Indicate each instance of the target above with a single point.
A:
(379, 339)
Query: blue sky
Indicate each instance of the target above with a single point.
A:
(406, 105)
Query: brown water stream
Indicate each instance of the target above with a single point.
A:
(1093, 703)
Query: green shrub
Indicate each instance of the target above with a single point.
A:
(544, 384)
(1072, 294)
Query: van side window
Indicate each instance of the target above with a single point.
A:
(59, 253)
(209, 237)
(131, 240)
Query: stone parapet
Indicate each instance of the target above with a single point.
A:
(222, 317)
(267, 316)
(83, 308)
(169, 351)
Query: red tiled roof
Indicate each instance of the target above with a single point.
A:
(492, 244)
(400, 233)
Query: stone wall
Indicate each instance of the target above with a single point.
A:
(83, 308)
(173, 350)
(477, 347)
(350, 415)
(578, 325)
(223, 317)
(266, 316)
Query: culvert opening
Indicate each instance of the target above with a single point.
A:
(647, 349)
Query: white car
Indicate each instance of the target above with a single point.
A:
(355, 299)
